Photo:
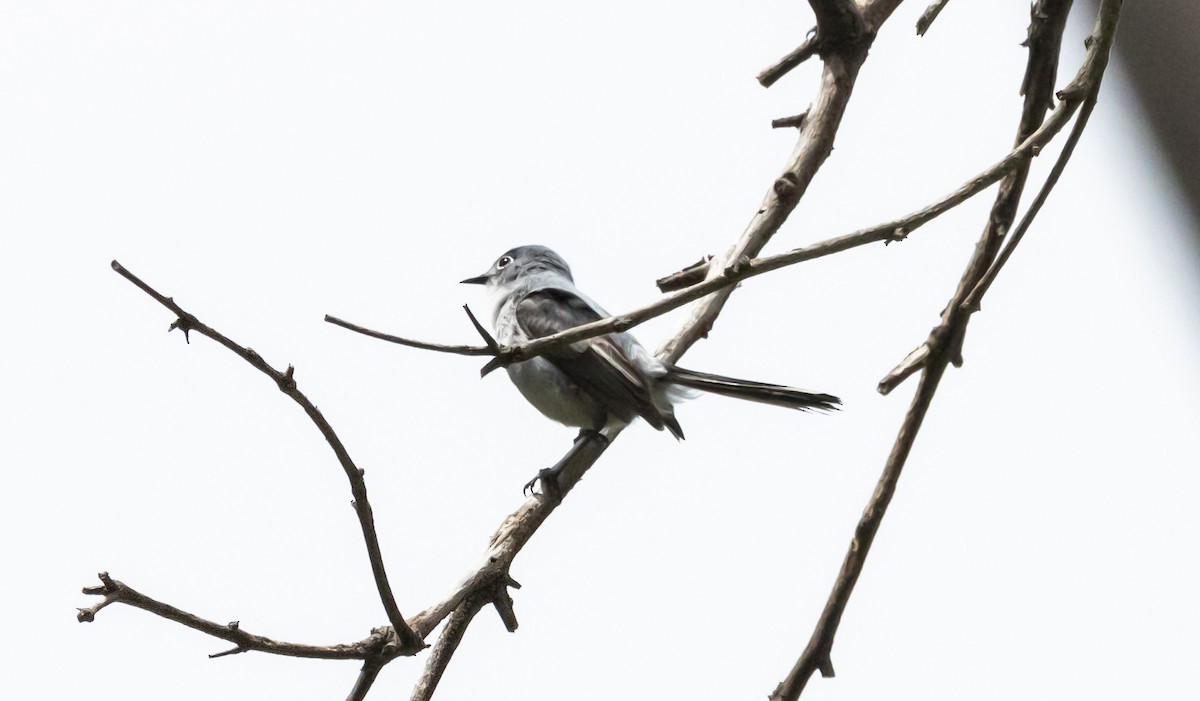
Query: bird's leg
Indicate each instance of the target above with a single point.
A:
(548, 477)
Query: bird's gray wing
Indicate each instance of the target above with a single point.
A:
(598, 365)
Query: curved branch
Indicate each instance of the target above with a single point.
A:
(286, 382)
(116, 592)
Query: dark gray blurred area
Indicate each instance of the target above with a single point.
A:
(1158, 43)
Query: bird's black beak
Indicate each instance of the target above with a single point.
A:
(480, 280)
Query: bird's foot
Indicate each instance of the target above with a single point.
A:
(548, 478)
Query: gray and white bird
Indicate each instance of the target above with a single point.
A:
(604, 381)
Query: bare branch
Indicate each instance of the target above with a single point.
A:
(513, 534)
(690, 275)
(435, 666)
(816, 655)
(366, 679)
(492, 346)
(796, 120)
(1045, 40)
(437, 347)
(938, 354)
(971, 303)
(116, 592)
(783, 66)
(929, 15)
(286, 382)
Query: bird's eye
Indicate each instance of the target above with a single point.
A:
(503, 262)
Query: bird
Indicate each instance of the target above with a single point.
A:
(605, 381)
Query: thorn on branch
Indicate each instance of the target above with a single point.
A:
(825, 665)
(898, 234)
(691, 275)
(502, 358)
(287, 381)
(796, 120)
(807, 49)
(503, 602)
(184, 325)
(231, 651)
(483, 333)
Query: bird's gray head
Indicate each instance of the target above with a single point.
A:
(520, 262)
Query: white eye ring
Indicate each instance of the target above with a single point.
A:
(503, 262)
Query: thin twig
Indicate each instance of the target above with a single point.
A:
(483, 333)
(929, 15)
(937, 356)
(437, 347)
(816, 655)
(971, 303)
(1044, 42)
(409, 642)
(116, 592)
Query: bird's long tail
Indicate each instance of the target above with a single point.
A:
(765, 393)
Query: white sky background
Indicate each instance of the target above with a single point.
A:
(266, 163)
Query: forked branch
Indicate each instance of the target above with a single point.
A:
(1049, 18)
(410, 643)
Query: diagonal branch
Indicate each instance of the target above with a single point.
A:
(492, 576)
(446, 645)
(721, 274)
(366, 679)
(783, 66)
(814, 145)
(116, 592)
(929, 15)
(409, 642)
(1044, 42)
(971, 303)
(1051, 14)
